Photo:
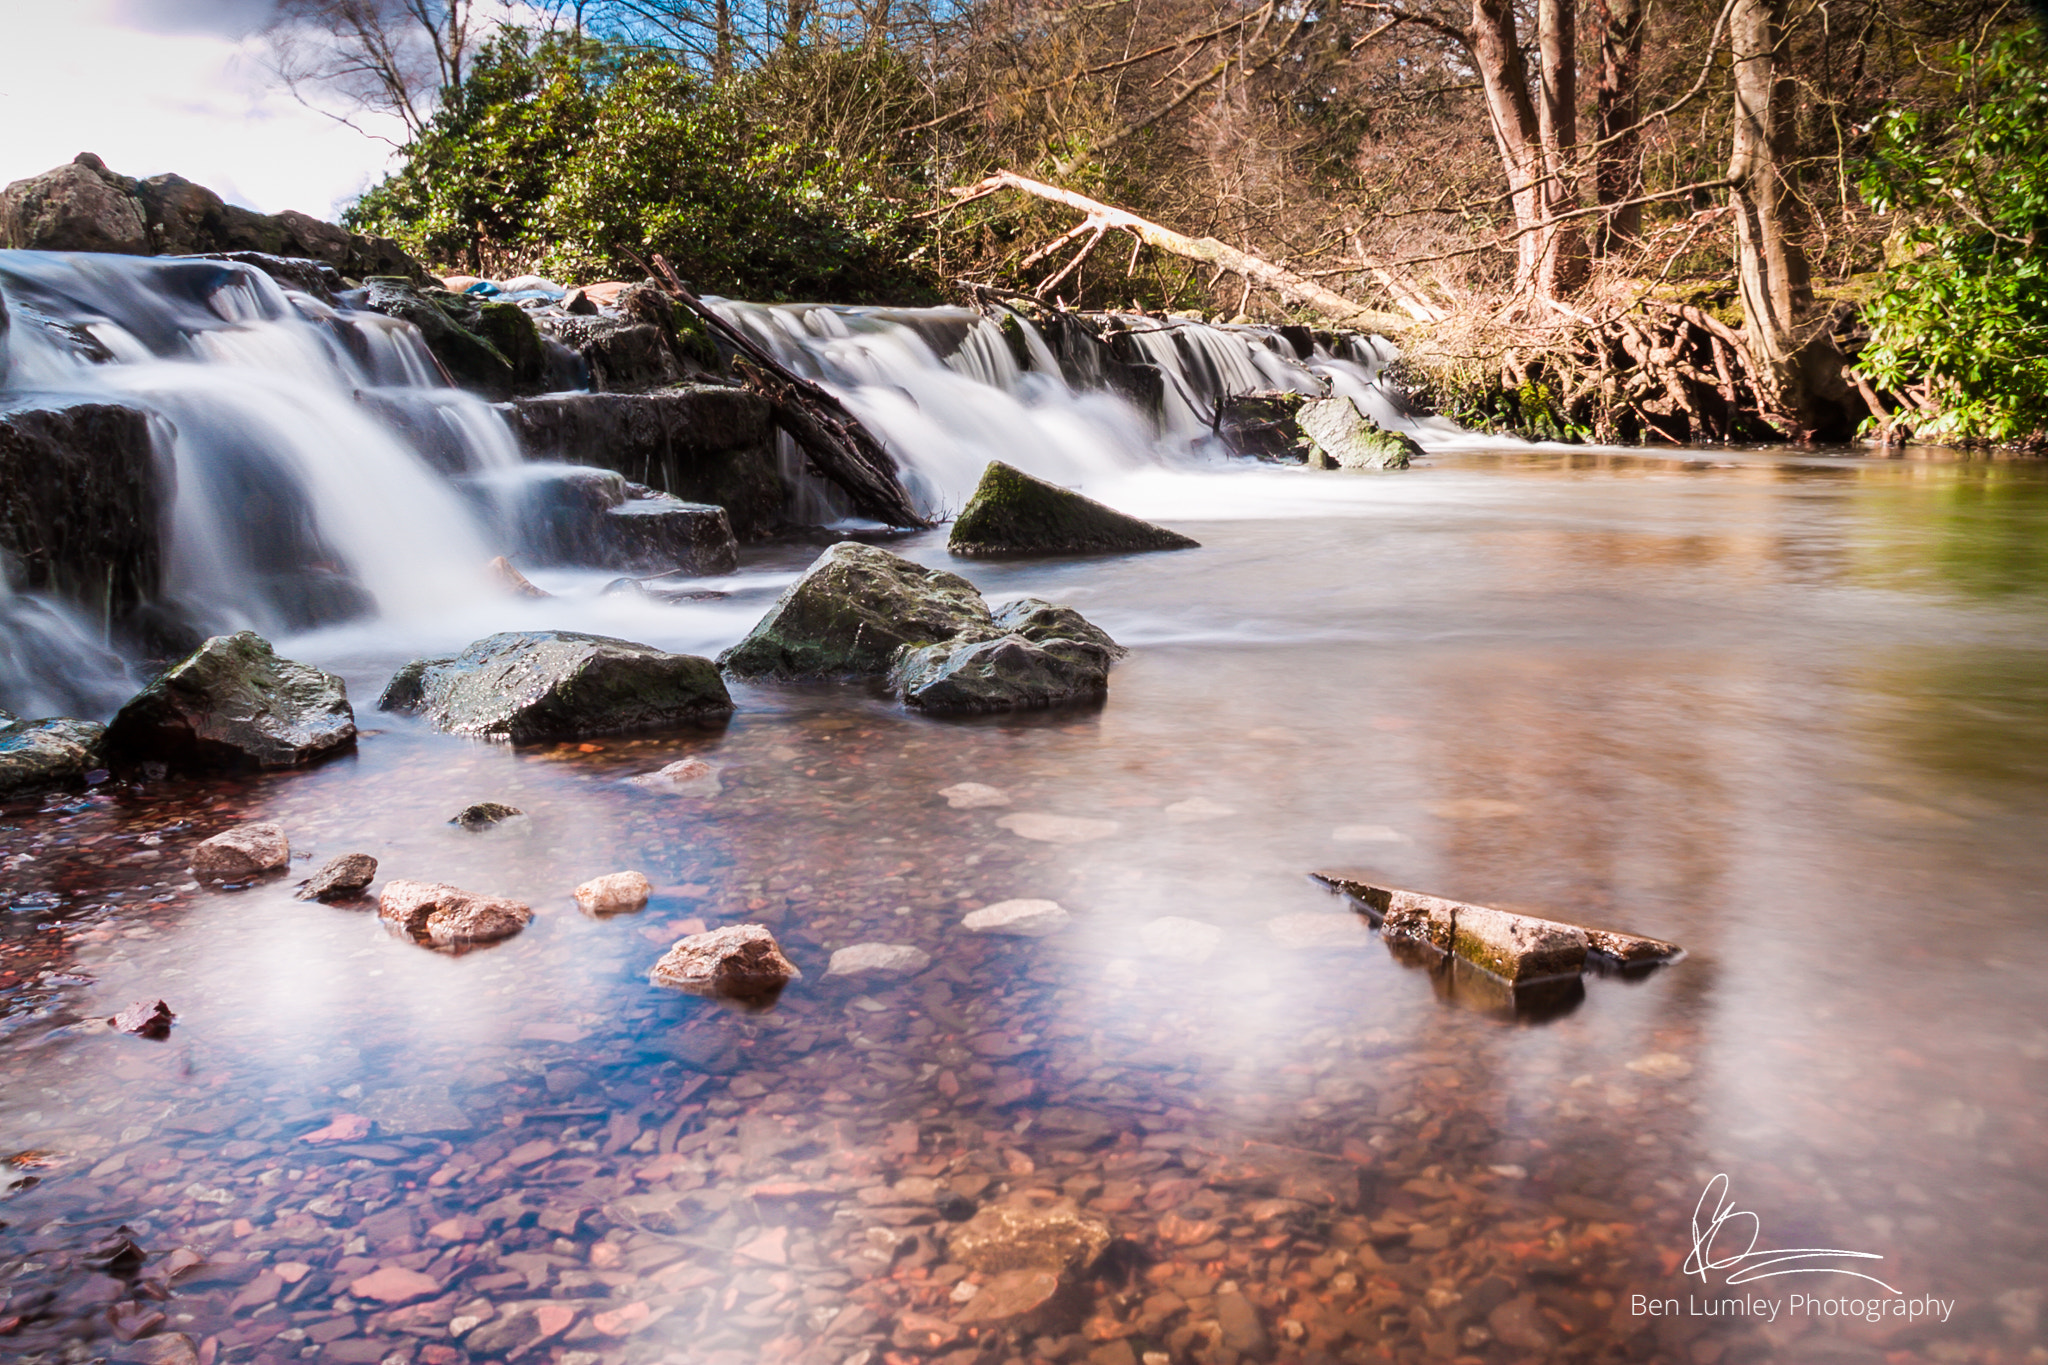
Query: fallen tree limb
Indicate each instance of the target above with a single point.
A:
(1101, 218)
(840, 448)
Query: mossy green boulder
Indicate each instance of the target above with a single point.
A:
(851, 611)
(1044, 655)
(1013, 513)
(528, 686)
(492, 348)
(233, 703)
(1342, 437)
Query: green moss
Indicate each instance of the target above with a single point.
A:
(1012, 513)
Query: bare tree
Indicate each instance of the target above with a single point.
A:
(398, 58)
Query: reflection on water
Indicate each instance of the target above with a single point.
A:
(1764, 707)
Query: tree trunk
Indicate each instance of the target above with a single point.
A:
(721, 50)
(1618, 166)
(1771, 268)
(1549, 261)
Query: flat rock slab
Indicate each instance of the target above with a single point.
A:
(242, 852)
(1057, 829)
(447, 916)
(339, 878)
(615, 893)
(1014, 513)
(1019, 918)
(233, 703)
(1512, 946)
(684, 777)
(1005, 1237)
(879, 959)
(527, 686)
(740, 961)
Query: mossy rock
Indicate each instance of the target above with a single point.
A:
(233, 703)
(1342, 437)
(527, 686)
(1263, 426)
(40, 754)
(492, 348)
(851, 611)
(1013, 513)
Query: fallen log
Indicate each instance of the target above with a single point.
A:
(1101, 218)
(839, 447)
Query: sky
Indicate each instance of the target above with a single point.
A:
(170, 85)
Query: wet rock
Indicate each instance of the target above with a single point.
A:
(684, 777)
(233, 703)
(1631, 950)
(490, 348)
(145, 1019)
(538, 685)
(1020, 918)
(1198, 808)
(394, 1285)
(598, 519)
(342, 878)
(742, 961)
(445, 916)
(1342, 437)
(1013, 513)
(76, 207)
(414, 1110)
(1181, 940)
(513, 581)
(240, 853)
(42, 754)
(516, 1328)
(84, 503)
(854, 607)
(1263, 426)
(1036, 1301)
(972, 796)
(1514, 947)
(165, 1348)
(1006, 674)
(879, 959)
(1057, 829)
(615, 893)
(1002, 1237)
(485, 815)
(1239, 1321)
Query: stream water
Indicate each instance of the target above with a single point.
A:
(1788, 710)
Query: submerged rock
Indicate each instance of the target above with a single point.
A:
(445, 916)
(1056, 829)
(485, 814)
(879, 959)
(973, 796)
(1018, 918)
(1013, 513)
(1342, 437)
(341, 878)
(1263, 426)
(851, 611)
(615, 893)
(684, 777)
(241, 853)
(37, 755)
(1004, 1237)
(741, 961)
(539, 685)
(233, 703)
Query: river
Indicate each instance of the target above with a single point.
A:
(1788, 710)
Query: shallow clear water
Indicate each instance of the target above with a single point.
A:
(1790, 712)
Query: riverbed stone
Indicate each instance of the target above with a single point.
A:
(38, 755)
(1504, 943)
(1009, 673)
(1014, 513)
(527, 686)
(1631, 950)
(1025, 918)
(850, 612)
(483, 815)
(1001, 1237)
(1030, 1300)
(1179, 939)
(233, 703)
(144, 1019)
(341, 878)
(1056, 829)
(879, 959)
(684, 777)
(741, 961)
(615, 893)
(973, 796)
(447, 916)
(242, 852)
(1342, 437)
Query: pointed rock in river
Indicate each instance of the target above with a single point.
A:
(742, 961)
(233, 703)
(525, 686)
(851, 611)
(1013, 513)
(615, 893)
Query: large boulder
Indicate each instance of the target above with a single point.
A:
(1013, 513)
(233, 703)
(83, 501)
(41, 754)
(525, 686)
(740, 961)
(851, 611)
(80, 206)
(1341, 437)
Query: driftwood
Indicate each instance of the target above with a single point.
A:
(1100, 218)
(839, 447)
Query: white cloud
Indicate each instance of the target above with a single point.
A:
(76, 79)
